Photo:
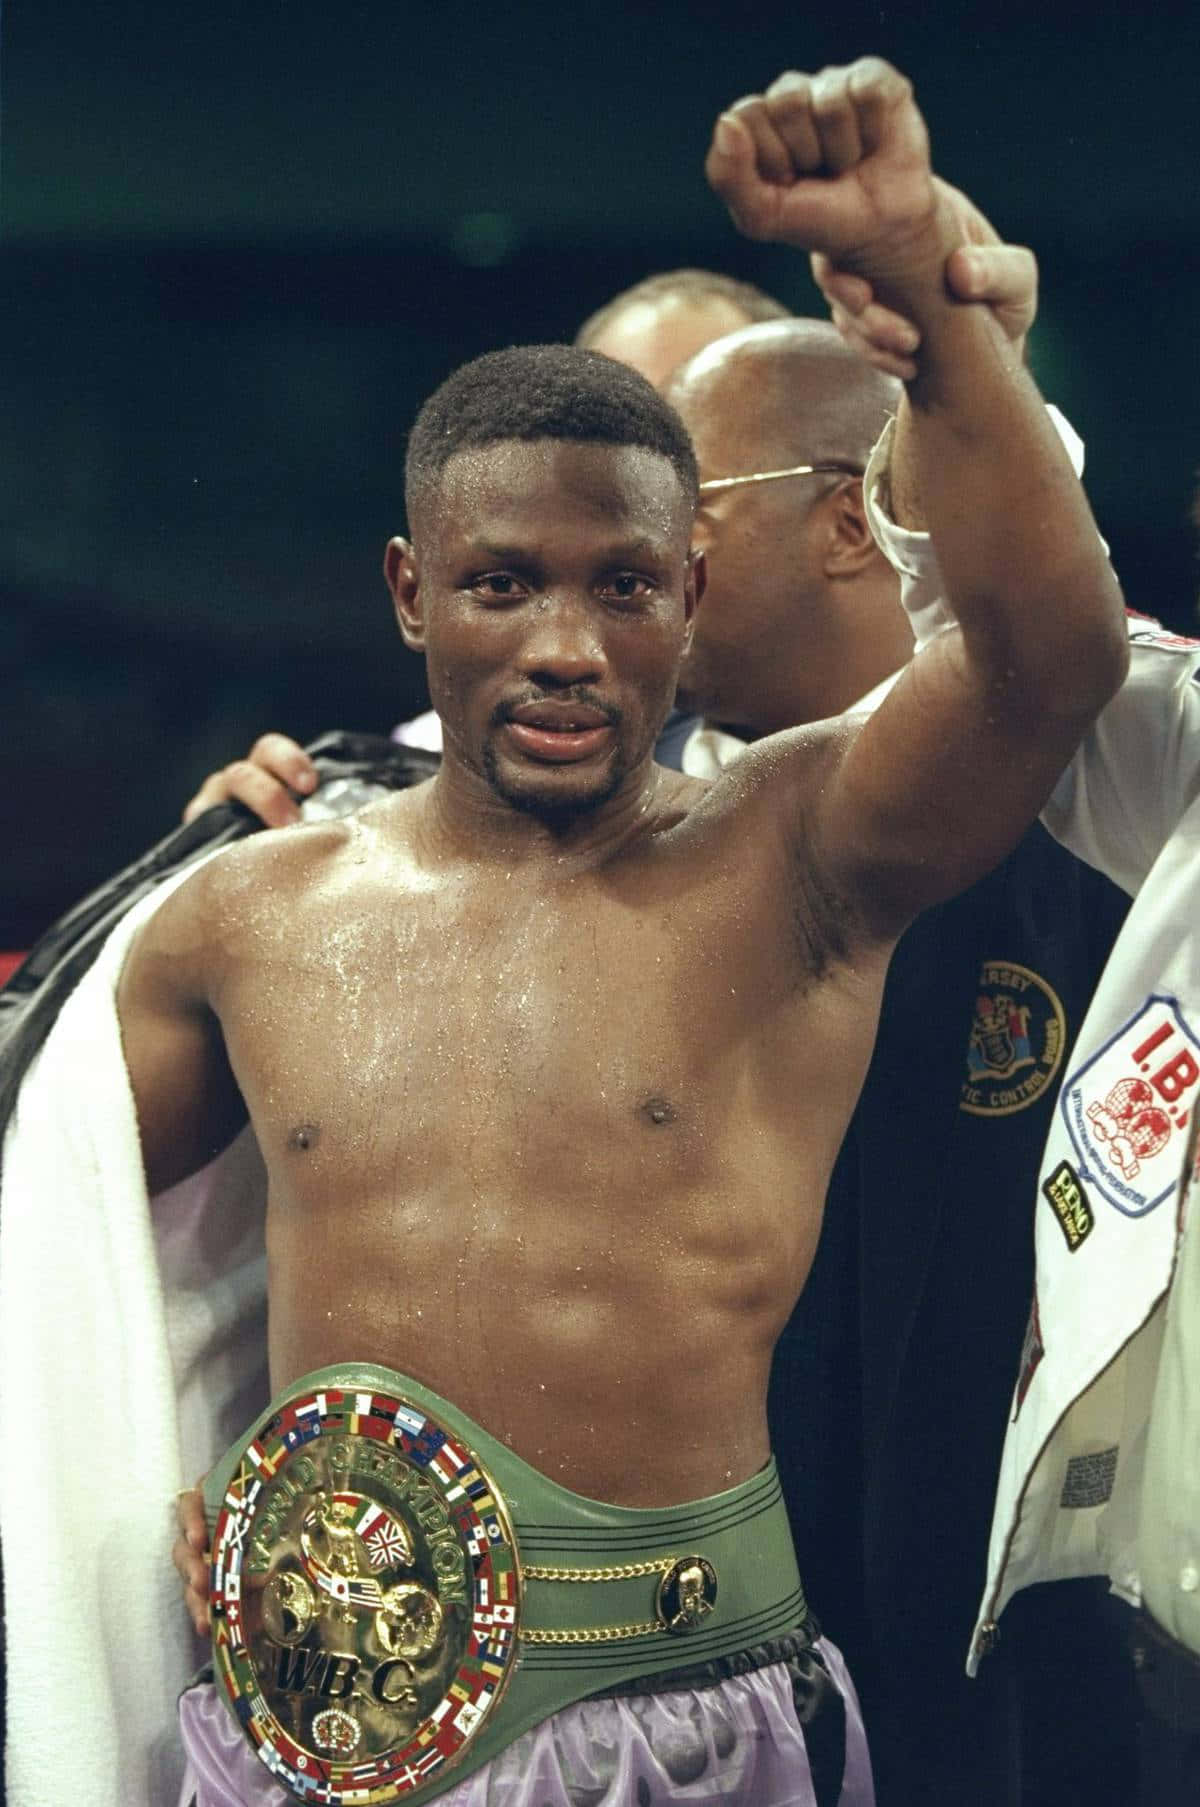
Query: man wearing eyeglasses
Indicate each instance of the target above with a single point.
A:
(897, 1366)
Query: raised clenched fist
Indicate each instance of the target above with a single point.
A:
(836, 163)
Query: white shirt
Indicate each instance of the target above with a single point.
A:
(1101, 1465)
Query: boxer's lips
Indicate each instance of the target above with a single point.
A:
(559, 733)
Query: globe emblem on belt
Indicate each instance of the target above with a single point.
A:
(365, 1597)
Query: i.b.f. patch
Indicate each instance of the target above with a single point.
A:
(1126, 1108)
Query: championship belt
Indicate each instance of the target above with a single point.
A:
(372, 1628)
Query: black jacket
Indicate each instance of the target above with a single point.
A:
(35, 993)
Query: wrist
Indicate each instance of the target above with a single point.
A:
(906, 268)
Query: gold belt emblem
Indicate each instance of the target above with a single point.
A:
(365, 1596)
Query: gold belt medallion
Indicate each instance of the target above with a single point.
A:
(365, 1596)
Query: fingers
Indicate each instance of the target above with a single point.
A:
(743, 146)
(190, 1555)
(772, 157)
(836, 122)
(852, 292)
(880, 96)
(275, 767)
(789, 106)
(1005, 277)
(836, 161)
(883, 338)
(873, 341)
(831, 121)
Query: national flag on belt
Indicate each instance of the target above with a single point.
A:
(300, 1434)
(372, 1517)
(365, 1772)
(426, 1446)
(457, 1461)
(385, 1540)
(353, 1590)
(310, 1407)
(244, 1485)
(236, 1527)
(243, 1492)
(467, 1717)
(410, 1421)
(388, 1545)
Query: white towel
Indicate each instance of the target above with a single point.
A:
(132, 1351)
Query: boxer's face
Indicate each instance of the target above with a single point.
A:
(552, 591)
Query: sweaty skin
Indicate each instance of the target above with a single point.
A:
(550, 1057)
(547, 1113)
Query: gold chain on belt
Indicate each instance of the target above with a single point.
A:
(597, 1634)
(627, 1571)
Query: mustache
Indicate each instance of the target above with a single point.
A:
(579, 695)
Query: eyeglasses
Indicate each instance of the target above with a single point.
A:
(833, 466)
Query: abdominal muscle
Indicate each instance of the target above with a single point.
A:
(620, 1344)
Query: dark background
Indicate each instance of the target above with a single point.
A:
(239, 243)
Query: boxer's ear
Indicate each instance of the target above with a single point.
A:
(402, 575)
(695, 579)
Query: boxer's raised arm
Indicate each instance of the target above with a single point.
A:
(941, 781)
(188, 1103)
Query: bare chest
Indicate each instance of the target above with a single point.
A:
(508, 1032)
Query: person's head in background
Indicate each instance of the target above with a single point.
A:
(665, 319)
(801, 616)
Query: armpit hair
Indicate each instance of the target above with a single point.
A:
(822, 917)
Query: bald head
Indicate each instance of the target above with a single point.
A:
(664, 319)
(801, 616)
(780, 393)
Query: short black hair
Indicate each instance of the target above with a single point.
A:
(700, 286)
(533, 392)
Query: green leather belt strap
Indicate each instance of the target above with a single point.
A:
(609, 1593)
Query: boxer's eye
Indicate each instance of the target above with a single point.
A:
(628, 588)
(497, 586)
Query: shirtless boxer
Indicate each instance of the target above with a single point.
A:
(419, 1163)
